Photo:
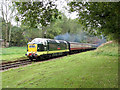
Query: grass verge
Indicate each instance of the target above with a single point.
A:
(92, 69)
(12, 53)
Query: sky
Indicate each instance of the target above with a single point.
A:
(61, 4)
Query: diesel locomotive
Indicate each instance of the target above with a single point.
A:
(42, 47)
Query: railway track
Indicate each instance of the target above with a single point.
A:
(13, 64)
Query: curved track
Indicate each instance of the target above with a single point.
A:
(12, 64)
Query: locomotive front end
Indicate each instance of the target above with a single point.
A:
(36, 48)
(32, 51)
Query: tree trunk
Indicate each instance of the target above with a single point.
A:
(42, 32)
(6, 35)
(9, 35)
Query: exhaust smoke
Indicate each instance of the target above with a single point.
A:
(81, 37)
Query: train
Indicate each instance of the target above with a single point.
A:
(42, 47)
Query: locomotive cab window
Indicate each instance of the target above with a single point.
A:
(40, 47)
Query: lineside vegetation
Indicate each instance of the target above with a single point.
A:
(13, 53)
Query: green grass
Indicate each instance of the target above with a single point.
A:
(12, 53)
(108, 50)
(92, 69)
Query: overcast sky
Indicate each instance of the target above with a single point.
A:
(61, 4)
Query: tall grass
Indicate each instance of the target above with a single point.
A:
(108, 50)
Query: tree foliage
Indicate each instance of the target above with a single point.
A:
(62, 26)
(30, 33)
(34, 13)
(17, 38)
(99, 17)
(20, 36)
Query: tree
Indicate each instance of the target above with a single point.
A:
(17, 37)
(53, 29)
(34, 14)
(30, 33)
(62, 26)
(99, 17)
(7, 15)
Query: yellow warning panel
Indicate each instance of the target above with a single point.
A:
(32, 47)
